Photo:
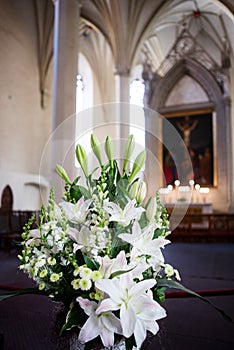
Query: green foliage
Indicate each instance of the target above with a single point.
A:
(176, 285)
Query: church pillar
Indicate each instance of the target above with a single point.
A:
(229, 122)
(122, 105)
(66, 37)
(231, 110)
(153, 134)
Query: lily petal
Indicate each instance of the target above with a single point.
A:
(111, 322)
(107, 305)
(139, 288)
(88, 306)
(128, 320)
(90, 329)
(107, 337)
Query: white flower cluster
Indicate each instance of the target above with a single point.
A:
(101, 250)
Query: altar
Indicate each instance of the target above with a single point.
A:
(194, 215)
(190, 208)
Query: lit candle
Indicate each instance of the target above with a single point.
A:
(197, 188)
(204, 191)
(191, 184)
(177, 183)
(164, 192)
(170, 188)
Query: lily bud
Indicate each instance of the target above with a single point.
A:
(141, 193)
(62, 173)
(139, 162)
(128, 149)
(95, 144)
(82, 159)
(133, 190)
(109, 149)
(151, 209)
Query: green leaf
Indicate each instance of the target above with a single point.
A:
(21, 292)
(86, 193)
(75, 192)
(137, 165)
(91, 264)
(75, 317)
(159, 294)
(120, 272)
(176, 285)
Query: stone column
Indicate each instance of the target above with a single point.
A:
(231, 109)
(153, 135)
(66, 38)
(122, 107)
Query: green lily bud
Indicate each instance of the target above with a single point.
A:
(62, 173)
(95, 144)
(109, 149)
(128, 149)
(151, 209)
(133, 190)
(141, 193)
(82, 159)
(139, 162)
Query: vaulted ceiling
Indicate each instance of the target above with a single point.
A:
(158, 32)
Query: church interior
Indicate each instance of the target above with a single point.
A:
(160, 70)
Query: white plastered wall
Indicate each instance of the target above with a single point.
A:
(24, 125)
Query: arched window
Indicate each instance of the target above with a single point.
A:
(79, 93)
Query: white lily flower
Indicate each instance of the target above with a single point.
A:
(86, 240)
(104, 325)
(143, 242)
(77, 212)
(138, 310)
(109, 266)
(123, 216)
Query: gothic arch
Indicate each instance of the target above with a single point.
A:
(158, 91)
(195, 71)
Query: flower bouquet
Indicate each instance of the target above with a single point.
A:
(99, 251)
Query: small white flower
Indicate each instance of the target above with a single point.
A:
(85, 284)
(76, 283)
(85, 272)
(169, 270)
(51, 261)
(54, 277)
